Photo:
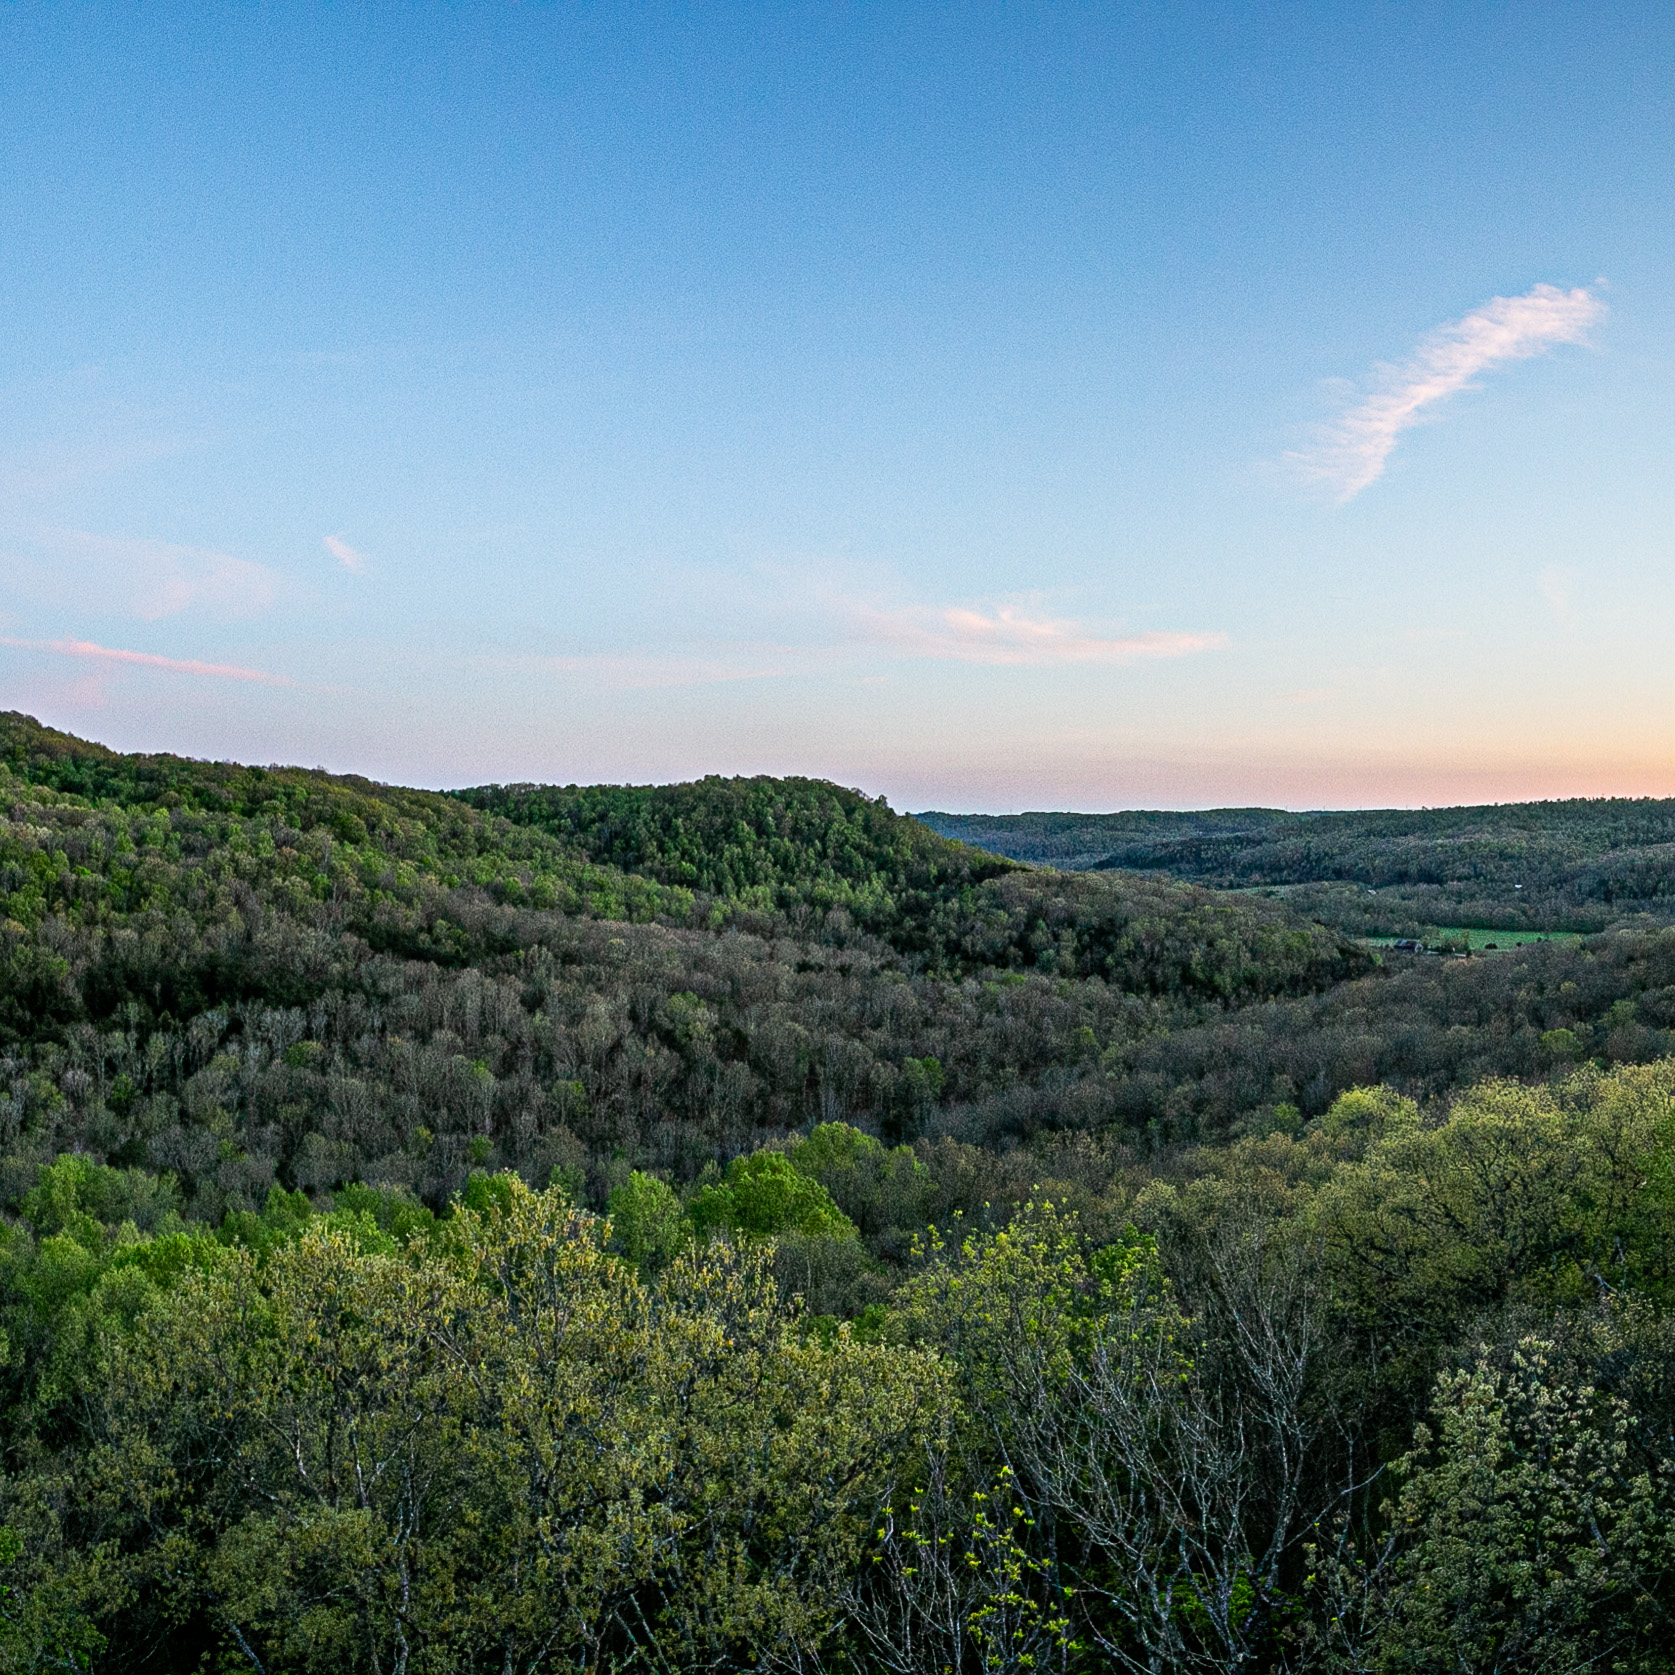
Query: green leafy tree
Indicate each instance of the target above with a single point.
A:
(764, 1195)
(1167, 1468)
(648, 1223)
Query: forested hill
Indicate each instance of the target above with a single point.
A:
(434, 876)
(238, 976)
(1573, 865)
(776, 844)
(813, 855)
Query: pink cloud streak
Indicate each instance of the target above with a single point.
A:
(1007, 636)
(148, 660)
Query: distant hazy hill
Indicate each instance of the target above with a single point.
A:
(1079, 842)
(1579, 864)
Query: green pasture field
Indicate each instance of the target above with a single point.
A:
(1477, 940)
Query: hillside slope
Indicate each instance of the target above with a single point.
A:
(236, 976)
(1577, 865)
(817, 856)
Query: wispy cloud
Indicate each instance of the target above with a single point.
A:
(794, 626)
(1352, 452)
(345, 555)
(1005, 634)
(146, 659)
(160, 578)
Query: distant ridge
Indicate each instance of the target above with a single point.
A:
(1578, 863)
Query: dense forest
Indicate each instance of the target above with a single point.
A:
(1579, 865)
(733, 1226)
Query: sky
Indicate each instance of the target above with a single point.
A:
(990, 407)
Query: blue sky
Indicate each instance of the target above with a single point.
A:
(994, 407)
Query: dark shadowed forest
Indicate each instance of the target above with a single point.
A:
(733, 1226)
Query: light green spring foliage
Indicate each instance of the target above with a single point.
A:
(1019, 1308)
(1532, 1529)
(1135, 1536)
(1531, 1194)
(1536, 1197)
(1529, 1534)
(966, 1585)
(353, 1435)
(765, 1195)
(876, 1187)
(497, 1446)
